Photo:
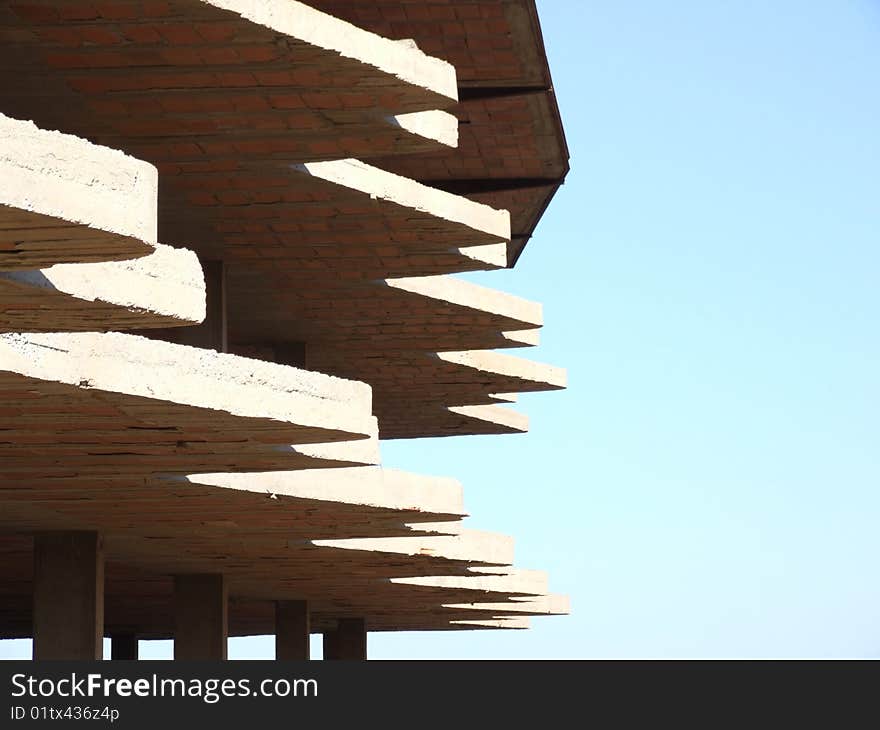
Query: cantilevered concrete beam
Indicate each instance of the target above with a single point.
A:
(63, 200)
(149, 406)
(409, 403)
(198, 79)
(379, 318)
(488, 548)
(336, 220)
(200, 617)
(366, 501)
(68, 596)
(163, 289)
(339, 584)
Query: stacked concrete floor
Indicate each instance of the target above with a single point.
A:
(221, 284)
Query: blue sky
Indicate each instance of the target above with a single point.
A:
(709, 484)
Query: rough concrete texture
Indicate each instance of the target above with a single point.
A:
(145, 405)
(522, 338)
(513, 582)
(63, 199)
(164, 289)
(401, 60)
(466, 545)
(467, 295)
(419, 499)
(435, 125)
(464, 216)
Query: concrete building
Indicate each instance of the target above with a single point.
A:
(227, 235)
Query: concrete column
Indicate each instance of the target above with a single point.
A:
(123, 646)
(349, 641)
(68, 596)
(200, 630)
(292, 630)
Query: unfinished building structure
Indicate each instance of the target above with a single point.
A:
(227, 229)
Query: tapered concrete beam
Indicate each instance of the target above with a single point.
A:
(359, 498)
(511, 622)
(511, 312)
(434, 211)
(164, 289)
(485, 419)
(124, 647)
(509, 582)
(466, 546)
(363, 452)
(529, 375)
(438, 126)
(197, 80)
(521, 338)
(112, 403)
(549, 605)
(482, 258)
(63, 199)
(215, 513)
(395, 316)
(430, 77)
(373, 319)
(504, 397)
(68, 596)
(328, 135)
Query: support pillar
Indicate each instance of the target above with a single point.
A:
(349, 641)
(68, 596)
(292, 630)
(123, 646)
(200, 615)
